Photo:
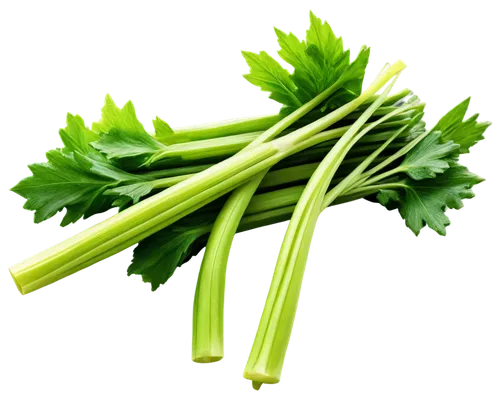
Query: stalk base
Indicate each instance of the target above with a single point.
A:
(206, 359)
(260, 377)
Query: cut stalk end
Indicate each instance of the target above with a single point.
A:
(256, 385)
(258, 378)
(206, 359)
(17, 287)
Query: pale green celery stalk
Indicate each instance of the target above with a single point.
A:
(206, 148)
(391, 100)
(164, 183)
(158, 211)
(208, 307)
(269, 348)
(174, 172)
(225, 128)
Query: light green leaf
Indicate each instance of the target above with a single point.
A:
(321, 35)
(76, 136)
(123, 119)
(134, 148)
(465, 133)
(163, 132)
(270, 76)
(307, 74)
(351, 80)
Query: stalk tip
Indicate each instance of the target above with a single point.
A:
(206, 359)
(259, 379)
(14, 282)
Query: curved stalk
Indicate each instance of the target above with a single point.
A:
(268, 352)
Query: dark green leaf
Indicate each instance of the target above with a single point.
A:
(134, 192)
(157, 257)
(61, 182)
(424, 202)
(74, 178)
(429, 157)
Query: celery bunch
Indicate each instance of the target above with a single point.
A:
(180, 190)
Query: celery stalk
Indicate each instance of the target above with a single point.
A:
(225, 128)
(268, 352)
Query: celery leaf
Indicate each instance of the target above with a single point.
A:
(76, 136)
(133, 192)
(307, 75)
(320, 61)
(466, 133)
(429, 157)
(75, 177)
(270, 76)
(424, 202)
(134, 148)
(163, 132)
(157, 257)
(64, 181)
(123, 119)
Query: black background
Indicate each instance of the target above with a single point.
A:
(385, 316)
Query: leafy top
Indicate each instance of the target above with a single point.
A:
(76, 136)
(465, 133)
(318, 63)
(76, 177)
(163, 132)
(123, 119)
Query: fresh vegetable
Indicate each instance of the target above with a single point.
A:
(180, 190)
